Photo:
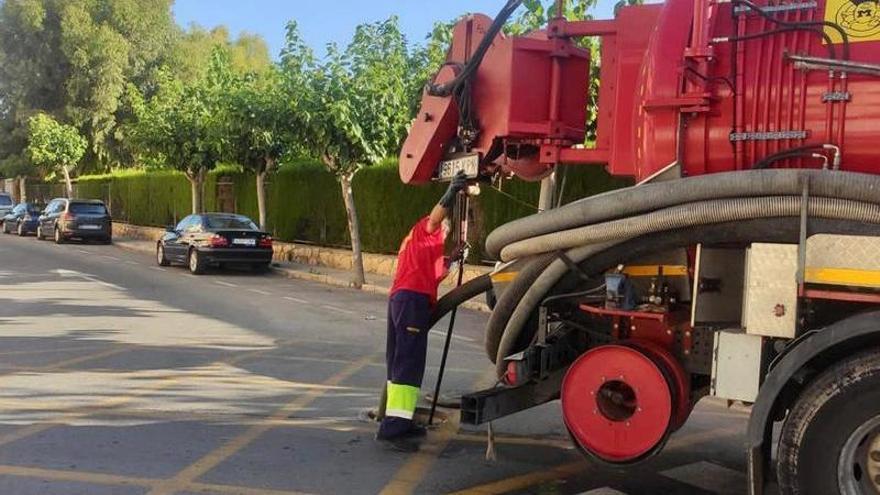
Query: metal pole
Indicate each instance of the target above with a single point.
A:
(461, 241)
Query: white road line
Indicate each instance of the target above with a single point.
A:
(341, 310)
(225, 284)
(157, 268)
(132, 262)
(454, 337)
(84, 251)
(295, 299)
(260, 292)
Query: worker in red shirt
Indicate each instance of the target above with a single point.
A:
(421, 267)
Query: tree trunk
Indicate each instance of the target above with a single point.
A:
(357, 257)
(22, 189)
(261, 191)
(196, 181)
(68, 184)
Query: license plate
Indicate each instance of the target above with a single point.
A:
(469, 163)
(244, 242)
(90, 227)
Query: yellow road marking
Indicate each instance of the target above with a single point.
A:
(527, 480)
(188, 475)
(160, 384)
(117, 480)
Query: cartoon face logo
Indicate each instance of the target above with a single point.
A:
(860, 19)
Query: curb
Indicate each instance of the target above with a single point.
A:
(311, 276)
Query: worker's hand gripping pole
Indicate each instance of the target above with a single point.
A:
(459, 254)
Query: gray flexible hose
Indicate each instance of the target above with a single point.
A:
(640, 199)
(688, 215)
(827, 208)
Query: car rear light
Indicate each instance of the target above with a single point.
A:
(218, 241)
(266, 242)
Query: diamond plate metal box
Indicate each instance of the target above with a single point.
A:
(770, 297)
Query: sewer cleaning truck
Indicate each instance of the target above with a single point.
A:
(744, 264)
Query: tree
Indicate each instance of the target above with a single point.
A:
(55, 145)
(262, 124)
(357, 110)
(191, 57)
(182, 124)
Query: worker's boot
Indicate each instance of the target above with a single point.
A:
(416, 432)
(402, 443)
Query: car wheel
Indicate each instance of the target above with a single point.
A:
(5, 228)
(261, 267)
(20, 229)
(107, 241)
(196, 264)
(830, 441)
(161, 259)
(40, 232)
(59, 239)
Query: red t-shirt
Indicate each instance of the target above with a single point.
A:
(420, 263)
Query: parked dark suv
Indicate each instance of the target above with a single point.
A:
(84, 219)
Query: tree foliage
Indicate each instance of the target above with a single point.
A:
(55, 146)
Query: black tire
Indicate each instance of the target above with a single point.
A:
(196, 262)
(20, 229)
(262, 267)
(58, 237)
(830, 441)
(161, 259)
(107, 241)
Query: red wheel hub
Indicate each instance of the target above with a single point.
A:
(617, 403)
(681, 383)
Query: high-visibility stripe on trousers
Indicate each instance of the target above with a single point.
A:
(409, 315)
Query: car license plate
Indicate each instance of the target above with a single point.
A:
(469, 163)
(244, 242)
(90, 227)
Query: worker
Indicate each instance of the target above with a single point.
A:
(421, 266)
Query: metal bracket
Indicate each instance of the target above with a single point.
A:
(768, 136)
(836, 96)
(770, 9)
(573, 266)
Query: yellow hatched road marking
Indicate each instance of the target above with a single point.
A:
(187, 476)
(526, 480)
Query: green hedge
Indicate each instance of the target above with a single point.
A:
(305, 202)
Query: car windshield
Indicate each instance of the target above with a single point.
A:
(229, 222)
(87, 209)
(5, 200)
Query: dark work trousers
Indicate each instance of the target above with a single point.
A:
(409, 315)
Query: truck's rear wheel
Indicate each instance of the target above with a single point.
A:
(830, 442)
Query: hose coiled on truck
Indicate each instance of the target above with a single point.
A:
(683, 211)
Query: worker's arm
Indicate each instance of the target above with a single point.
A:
(441, 211)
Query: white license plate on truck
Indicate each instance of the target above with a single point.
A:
(244, 242)
(470, 164)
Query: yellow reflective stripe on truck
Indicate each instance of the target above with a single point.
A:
(654, 270)
(843, 276)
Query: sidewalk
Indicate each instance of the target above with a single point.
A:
(377, 284)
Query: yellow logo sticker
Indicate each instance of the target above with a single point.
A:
(860, 19)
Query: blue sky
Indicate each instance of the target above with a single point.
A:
(331, 20)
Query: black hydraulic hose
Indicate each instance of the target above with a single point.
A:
(644, 198)
(821, 24)
(832, 52)
(785, 230)
(446, 89)
(457, 296)
(770, 160)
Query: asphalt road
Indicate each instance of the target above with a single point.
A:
(121, 377)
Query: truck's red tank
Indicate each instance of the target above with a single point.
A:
(737, 102)
(708, 86)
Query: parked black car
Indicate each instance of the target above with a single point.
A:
(22, 220)
(215, 239)
(84, 219)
